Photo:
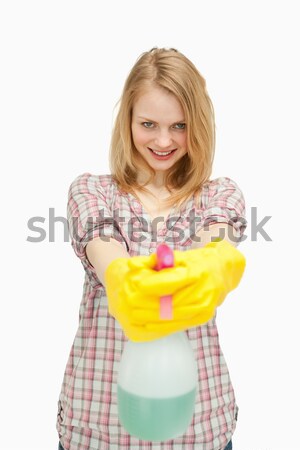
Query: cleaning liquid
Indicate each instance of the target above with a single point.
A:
(157, 388)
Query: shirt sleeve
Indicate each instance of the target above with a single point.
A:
(224, 203)
(90, 216)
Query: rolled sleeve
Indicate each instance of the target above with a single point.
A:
(225, 203)
(90, 216)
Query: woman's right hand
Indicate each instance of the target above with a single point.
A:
(126, 299)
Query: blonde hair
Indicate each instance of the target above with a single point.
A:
(171, 70)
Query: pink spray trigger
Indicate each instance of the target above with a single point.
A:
(165, 258)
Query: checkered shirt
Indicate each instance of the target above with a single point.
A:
(87, 416)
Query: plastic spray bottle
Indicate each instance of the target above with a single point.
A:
(157, 380)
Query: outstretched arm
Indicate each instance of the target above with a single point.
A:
(101, 253)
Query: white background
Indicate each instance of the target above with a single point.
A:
(63, 65)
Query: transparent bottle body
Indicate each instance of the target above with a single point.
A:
(157, 386)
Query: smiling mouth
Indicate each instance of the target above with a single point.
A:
(162, 153)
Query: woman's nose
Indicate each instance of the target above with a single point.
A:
(163, 139)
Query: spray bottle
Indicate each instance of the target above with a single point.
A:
(157, 380)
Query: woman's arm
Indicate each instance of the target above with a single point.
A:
(100, 253)
(216, 230)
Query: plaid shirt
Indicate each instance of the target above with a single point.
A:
(87, 408)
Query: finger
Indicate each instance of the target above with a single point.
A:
(197, 294)
(187, 295)
(138, 300)
(181, 257)
(186, 303)
(182, 314)
(164, 282)
(140, 262)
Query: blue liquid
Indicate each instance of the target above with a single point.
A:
(155, 419)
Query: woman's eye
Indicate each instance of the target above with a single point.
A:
(178, 126)
(145, 124)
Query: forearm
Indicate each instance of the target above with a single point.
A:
(101, 253)
(214, 231)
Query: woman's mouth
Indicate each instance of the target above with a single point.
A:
(162, 155)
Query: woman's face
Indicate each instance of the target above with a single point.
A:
(158, 127)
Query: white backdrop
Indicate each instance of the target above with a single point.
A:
(63, 65)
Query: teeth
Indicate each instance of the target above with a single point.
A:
(162, 153)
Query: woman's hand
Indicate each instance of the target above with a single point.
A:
(198, 283)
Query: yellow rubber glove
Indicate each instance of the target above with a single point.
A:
(198, 282)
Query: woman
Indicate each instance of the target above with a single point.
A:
(158, 191)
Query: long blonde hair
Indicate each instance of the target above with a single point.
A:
(171, 70)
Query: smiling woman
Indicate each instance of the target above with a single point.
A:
(161, 156)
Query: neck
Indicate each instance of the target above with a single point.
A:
(158, 183)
